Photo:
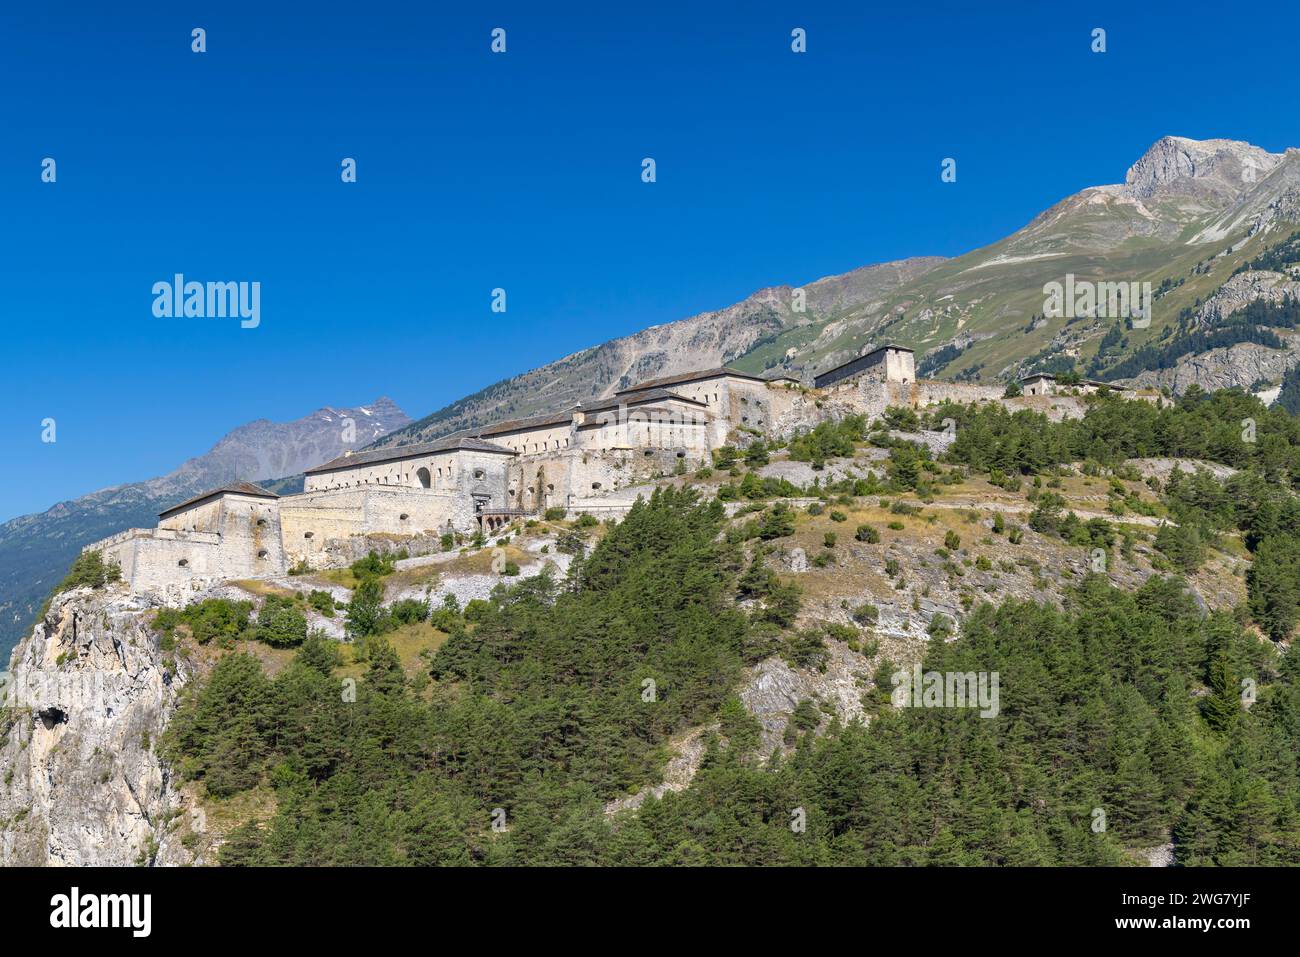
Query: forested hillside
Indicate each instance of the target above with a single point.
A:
(557, 696)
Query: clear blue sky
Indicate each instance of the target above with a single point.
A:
(521, 171)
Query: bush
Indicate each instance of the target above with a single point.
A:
(477, 609)
(952, 541)
(322, 601)
(806, 649)
(408, 611)
(586, 521)
(837, 516)
(374, 565)
(571, 543)
(776, 523)
(868, 534)
(725, 457)
(828, 440)
(866, 614)
(941, 627)
(447, 541)
(218, 618)
(280, 624)
(829, 539)
(555, 514)
(90, 569)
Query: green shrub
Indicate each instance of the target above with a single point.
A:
(90, 569)
(374, 565)
(322, 601)
(866, 614)
(477, 609)
(213, 618)
(941, 627)
(571, 543)
(280, 624)
(447, 615)
(868, 534)
(408, 611)
(777, 522)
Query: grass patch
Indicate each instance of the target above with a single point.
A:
(407, 640)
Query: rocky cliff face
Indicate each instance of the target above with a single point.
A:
(1214, 171)
(1242, 365)
(89, 693)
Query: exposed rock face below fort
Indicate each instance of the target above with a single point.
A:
(84, 782)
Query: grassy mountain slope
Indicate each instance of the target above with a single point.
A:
(1185, 204)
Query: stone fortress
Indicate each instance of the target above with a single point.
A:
(469, 484)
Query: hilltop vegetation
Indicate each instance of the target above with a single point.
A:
(560, 696)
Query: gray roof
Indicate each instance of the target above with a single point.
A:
(595, 422)
(398, 452)
(635, 397)
(688, 377)
(535, 422)
(234, 488)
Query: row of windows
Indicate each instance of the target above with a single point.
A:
(423, 476)
(546, 446)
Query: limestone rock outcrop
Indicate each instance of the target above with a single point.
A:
(81, 782)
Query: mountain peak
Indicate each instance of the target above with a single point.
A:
(1213, 169)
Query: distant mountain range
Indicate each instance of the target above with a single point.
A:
(36, 550)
